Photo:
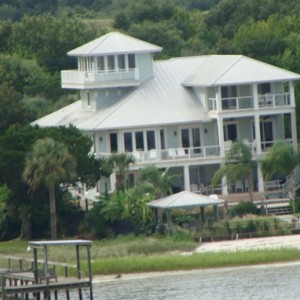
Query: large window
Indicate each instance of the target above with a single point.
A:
(121, 61)
(128, 142)
(230, 131)
(151, 140)
(264, 88)
(113, 142)
(131, 61)
(139, 141)
(229, 91)
(100, 63)
(110, 62)
(190, 137)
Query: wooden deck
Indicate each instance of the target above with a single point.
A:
(22, 283)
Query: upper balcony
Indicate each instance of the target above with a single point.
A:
(75, 79)
(247, 102)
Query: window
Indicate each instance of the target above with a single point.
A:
(190, 137)
(113, 142)
(88, 99)
(266, 133)
(162, 139)
(110, 62)
(128, 142)
(228, 91)
(230, 132)
(100, 63)
(139, 141)
(264, 88)
(151, 140)
(131, 61)
(121, 62)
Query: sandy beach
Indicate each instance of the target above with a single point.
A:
(290, 241)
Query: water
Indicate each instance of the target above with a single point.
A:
(259, 282)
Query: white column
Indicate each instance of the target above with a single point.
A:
(219, 99)
(224, 186)
(292, 94)
(113, 181)
(186, 176)
(260, 179)
(255, 96)
(221, 136)
(257, 134)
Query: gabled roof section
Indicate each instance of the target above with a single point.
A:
(114, 43)
(159, 101)
(220, 70)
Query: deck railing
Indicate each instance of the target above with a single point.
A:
(247, 102)
(98, 77)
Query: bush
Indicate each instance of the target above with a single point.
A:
(244, 208)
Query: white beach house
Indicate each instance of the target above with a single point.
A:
(181, 113)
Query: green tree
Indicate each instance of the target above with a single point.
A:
(282, 159)
(12, 110)
(49, 163)
(238, 165)
(48, 39)
(120, 164)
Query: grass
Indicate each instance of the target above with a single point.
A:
(194, 261)
(131, 254)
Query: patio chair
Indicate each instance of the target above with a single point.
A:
(153, 154)
(239, 186)
(172, 153)
(194, 187)
(180, 152)
(136, 155)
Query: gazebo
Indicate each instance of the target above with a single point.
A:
(185, 200)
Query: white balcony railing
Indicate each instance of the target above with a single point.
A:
(172, 154)
(87, 78)
(247, 102)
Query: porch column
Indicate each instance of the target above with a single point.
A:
(294, 131)
(224, 186)
(260, 179)
(221, 136)
(219, 99)
(257, 134)
(186, 176)
(255, 96)
(292, 94)
(113, 181)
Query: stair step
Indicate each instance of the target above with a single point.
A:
(279, 210)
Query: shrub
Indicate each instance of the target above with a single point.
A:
(244, 208)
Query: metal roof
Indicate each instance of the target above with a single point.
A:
(42, 244)
(168, 98)
(185, 199)
(220, 70)
(161, 100)
(113, 43)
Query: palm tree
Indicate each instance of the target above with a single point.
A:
(49, 163)
(281, 159)
(238, 164)
(154, 181)
(120, 163)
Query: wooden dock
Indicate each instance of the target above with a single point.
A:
(45, 284)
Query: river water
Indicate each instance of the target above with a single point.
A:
(257, 282)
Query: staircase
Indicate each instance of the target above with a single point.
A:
(279, 210)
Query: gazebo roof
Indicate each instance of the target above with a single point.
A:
(185, 199)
